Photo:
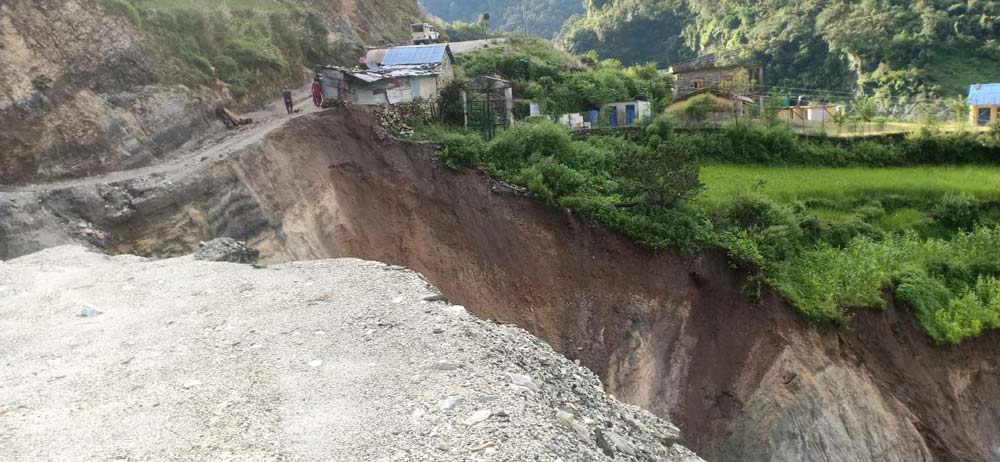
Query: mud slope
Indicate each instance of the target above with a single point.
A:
(745, 382)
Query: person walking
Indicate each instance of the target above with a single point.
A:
(286, 94)
(317, 92)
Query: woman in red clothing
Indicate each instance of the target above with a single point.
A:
(317, 92)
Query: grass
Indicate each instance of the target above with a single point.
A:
(789, 184)
(952, 285)
(830, 239)
(253, 46)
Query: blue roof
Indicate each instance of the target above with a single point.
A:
(986, 94)
(415, 55)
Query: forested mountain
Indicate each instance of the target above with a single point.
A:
(544, 17)
(899, 47)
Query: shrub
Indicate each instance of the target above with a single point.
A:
(461, 150)
(662, 126)
(124, 8)
(41, 82)
(968, 315)
(516, 146)
(550, 179)
(825, 280)
(926, 295)
(657, 176)
(951, 285)
(956, 211)
(699, 109)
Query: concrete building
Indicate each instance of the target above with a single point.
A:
(628, 113)
(984, 104)
(705, 73)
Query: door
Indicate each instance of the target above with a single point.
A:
(614, 117)
(415, 87)
(983, 116)
(629, 115)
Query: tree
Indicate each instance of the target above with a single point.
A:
(772, 107)
(658, 176)
(959, 107)
(738, 86)
(864, 108)
(840, 119)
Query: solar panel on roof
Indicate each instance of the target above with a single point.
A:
(414, 55)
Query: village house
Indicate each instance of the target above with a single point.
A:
(704, 73)
(984, 104)
(626, 114)
(405, 74)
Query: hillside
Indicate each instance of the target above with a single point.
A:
(91, 86)
(892, 47)
(544, 18)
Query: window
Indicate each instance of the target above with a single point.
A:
(983, 118)
(697, 84)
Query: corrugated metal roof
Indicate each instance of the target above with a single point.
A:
(391, 73)
(985, 94)
(415, 55)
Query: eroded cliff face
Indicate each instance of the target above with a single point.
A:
(112, 101)
(675, 334)
(119, 97)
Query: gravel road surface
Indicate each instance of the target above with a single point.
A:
(127, 359)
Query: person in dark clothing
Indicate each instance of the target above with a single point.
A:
(317, 92)
(287, 95)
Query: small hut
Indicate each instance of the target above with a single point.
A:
(984, 104)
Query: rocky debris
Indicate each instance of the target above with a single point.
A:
(93, 235)
(89, 311)
(315, 362)
(392, 119)
(503, 187)
(477, 417)
(434, 298)
(226, 249)
(523, 381)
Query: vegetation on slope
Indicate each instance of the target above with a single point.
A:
(544, 17)
(829, 224)
(561, 83)
(250, 45)
(893, 46)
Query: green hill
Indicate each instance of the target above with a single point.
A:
(929, 47)
(544, 18)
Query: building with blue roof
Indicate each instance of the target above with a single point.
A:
(418, 55)
(404, 74)
(984, 103)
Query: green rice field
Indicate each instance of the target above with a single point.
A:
(788, 184)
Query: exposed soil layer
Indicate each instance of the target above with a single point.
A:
(675, 334)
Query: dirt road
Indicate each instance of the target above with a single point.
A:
(214, 145)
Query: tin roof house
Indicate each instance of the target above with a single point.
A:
(405, 74)
(984, 104)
